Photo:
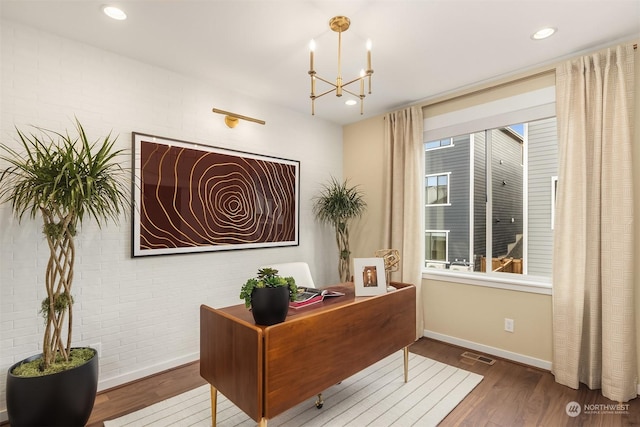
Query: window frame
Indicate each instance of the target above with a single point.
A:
(448, 175)
(439, 146)
(446, 247)
(524, 107)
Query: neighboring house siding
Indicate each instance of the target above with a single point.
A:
(543, 164)
(507, 188)
(455, 216)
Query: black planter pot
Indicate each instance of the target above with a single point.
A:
(270, 305)
(62, 399)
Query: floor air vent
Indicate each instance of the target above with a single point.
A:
(479, 358)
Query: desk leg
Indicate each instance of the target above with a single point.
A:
(406, 364)
(214, 405)
(263, 422)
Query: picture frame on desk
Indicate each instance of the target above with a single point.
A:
(369, 276)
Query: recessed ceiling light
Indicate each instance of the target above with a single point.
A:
(114, 12)
(543, 33)
(351, 102)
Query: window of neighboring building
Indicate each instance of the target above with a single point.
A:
(437, 189)
(446, 142)
(436, 242)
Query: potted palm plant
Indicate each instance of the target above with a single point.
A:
(336, 205)
(268, 296)
(65, 180)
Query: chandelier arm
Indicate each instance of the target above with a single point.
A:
(324, 93)
(326, 81)
(357, 79)
(357, 95)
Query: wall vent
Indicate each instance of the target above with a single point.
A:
(479, 358)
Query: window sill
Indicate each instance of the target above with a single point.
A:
(512, 282)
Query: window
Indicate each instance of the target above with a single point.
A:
(436, 246)
(500, 218)
(447, 142)
(437, 189)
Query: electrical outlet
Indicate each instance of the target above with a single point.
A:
(508, 324)
(97, 347)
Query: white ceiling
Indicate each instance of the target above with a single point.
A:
(421, 49)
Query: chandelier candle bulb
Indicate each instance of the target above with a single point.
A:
(369, 70)
(312, 48)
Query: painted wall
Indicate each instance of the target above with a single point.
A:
(143, 311)
(465, 313)
(364, 163)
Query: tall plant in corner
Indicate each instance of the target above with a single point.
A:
(336, 205)
(67, 180)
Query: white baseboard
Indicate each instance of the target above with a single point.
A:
(104, 384)
(516, 357)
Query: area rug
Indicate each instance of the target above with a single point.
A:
(376, 396)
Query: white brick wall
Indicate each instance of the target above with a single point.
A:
(144, 311)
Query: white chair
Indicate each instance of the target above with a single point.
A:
(298, 270)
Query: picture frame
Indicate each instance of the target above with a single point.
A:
(369, 276)
(190, 197)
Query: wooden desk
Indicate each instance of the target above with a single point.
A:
(259, 367)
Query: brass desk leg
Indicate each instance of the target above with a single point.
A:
(214, 405)
(263, 422)
(319, 401)
(406, 364)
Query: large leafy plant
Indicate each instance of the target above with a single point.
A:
(337, 204)
(67, 180)
(267, 278)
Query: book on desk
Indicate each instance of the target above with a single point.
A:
(308, 296)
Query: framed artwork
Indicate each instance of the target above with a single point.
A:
(369, 276)
(195, 198)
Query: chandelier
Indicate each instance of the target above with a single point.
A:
(339, 24)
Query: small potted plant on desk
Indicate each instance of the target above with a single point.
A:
(268, 295)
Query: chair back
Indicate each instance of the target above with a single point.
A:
(298, 270)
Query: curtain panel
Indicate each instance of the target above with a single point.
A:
(403, 188)
(593, 288)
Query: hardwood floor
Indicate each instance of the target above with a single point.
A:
(509, 395)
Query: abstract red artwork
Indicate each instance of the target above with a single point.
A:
(194, 198)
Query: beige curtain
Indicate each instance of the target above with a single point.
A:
(593, 289)
(404, 158)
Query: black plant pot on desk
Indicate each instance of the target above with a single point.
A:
(270, 305)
